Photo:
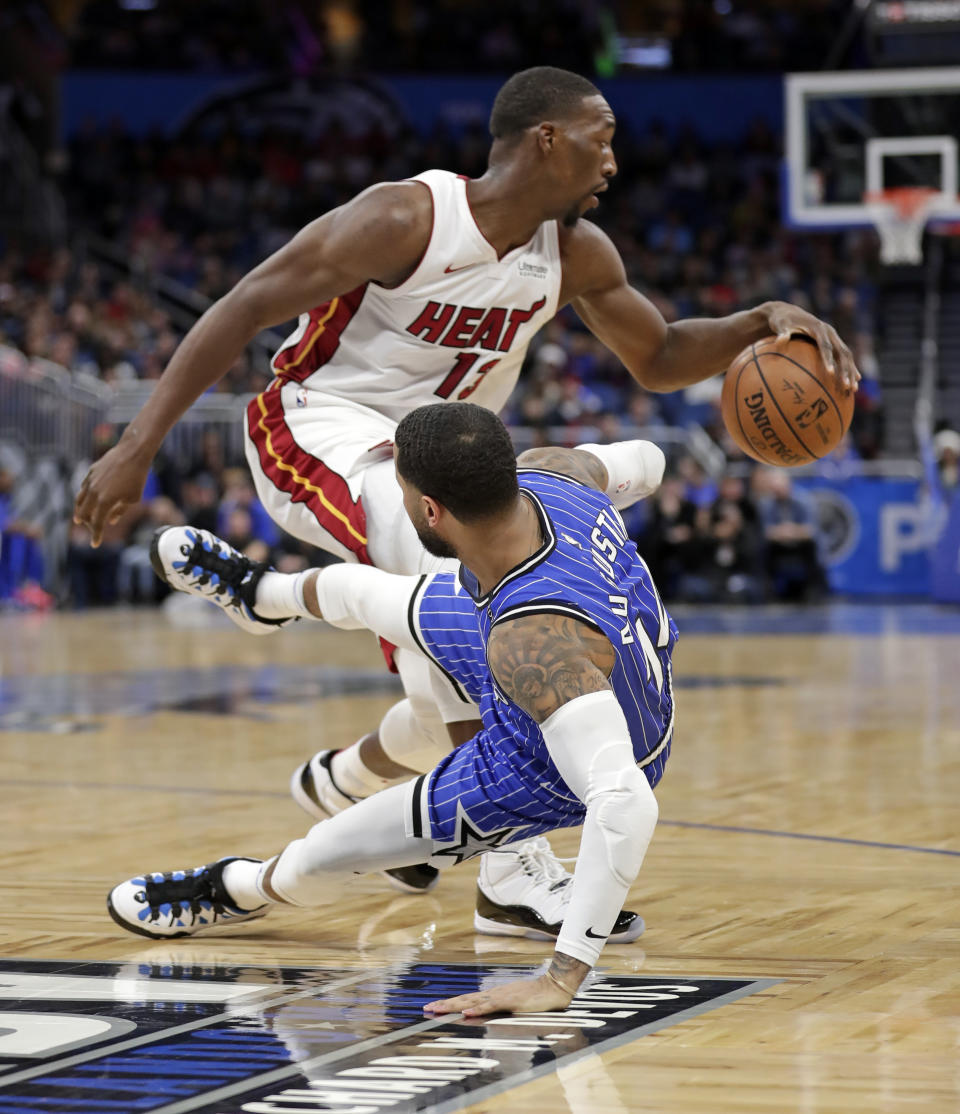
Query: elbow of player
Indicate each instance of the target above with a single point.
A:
(626, 817)
(651, 373)
(248, 307)
(654, 465)
(644, 811)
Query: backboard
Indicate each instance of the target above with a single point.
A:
(850, 136)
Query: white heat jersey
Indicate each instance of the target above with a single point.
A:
(456, 329)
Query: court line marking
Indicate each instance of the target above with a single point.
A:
(269, 794)
(807, 835)
(268, 1078)
(754, 986)
(139, 787)
(471, 1097)
(240, 1005)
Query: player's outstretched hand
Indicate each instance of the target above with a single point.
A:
(113, 483)
(518, 996)
(785, 319)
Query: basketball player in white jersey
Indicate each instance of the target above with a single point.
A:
(415, 292)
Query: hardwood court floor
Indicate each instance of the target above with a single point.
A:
(810, 834)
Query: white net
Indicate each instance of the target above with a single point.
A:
(899, 216)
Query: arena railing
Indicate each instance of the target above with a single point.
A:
(183, 303)
(48, 411)
(45, 410)
(50, 417)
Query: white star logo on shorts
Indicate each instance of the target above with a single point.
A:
(471, 841)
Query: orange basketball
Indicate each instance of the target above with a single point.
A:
(782, 406)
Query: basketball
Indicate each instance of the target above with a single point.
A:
(782, 406)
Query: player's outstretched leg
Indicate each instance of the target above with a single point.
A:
(314, 789)
(308, 872)
(522, 890)
(178, 902)
(197, 562)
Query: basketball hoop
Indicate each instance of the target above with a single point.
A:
(899, 215)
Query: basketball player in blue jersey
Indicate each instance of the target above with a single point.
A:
(418, 291)
(575, 696)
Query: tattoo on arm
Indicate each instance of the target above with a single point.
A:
(543, 661)
(580, 464)
(568, 971)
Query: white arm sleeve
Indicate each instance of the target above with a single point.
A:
(634, 469)
(589, 742)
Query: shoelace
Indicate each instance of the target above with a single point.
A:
(540, 862)
(183, 895)
(231, 570)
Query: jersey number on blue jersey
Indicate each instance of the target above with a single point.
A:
(606, 537)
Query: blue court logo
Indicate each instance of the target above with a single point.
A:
(89, 1038)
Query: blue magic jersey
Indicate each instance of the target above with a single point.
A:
(503, 782)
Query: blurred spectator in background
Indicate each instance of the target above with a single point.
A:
(136, 580)
(788, 520)
(238, 532)
(699, 488)
(946, 450)
(869, 422)
(239, 496)
(21, 554)
(841, 462)
(733, 556)
(200, 497)
(670, 544)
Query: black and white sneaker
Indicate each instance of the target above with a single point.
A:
(199, 563)
(178, 902)
(524, 891)
(313, 788)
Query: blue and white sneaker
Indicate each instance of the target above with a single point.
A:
(178, 902)
(197, 562)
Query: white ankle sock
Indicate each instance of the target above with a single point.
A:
(353, 777)
(240, 880)
(280, 595)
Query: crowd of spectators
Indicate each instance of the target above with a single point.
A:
(733, 540)
(57, 307)
(453, 35)
(730, 539)
(696, 223)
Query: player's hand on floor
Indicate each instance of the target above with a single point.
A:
(519, 996)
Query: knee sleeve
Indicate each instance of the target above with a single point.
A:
(404, 740)
(414, 732)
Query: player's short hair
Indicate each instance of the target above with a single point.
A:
(461, 455)
(532, 96)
